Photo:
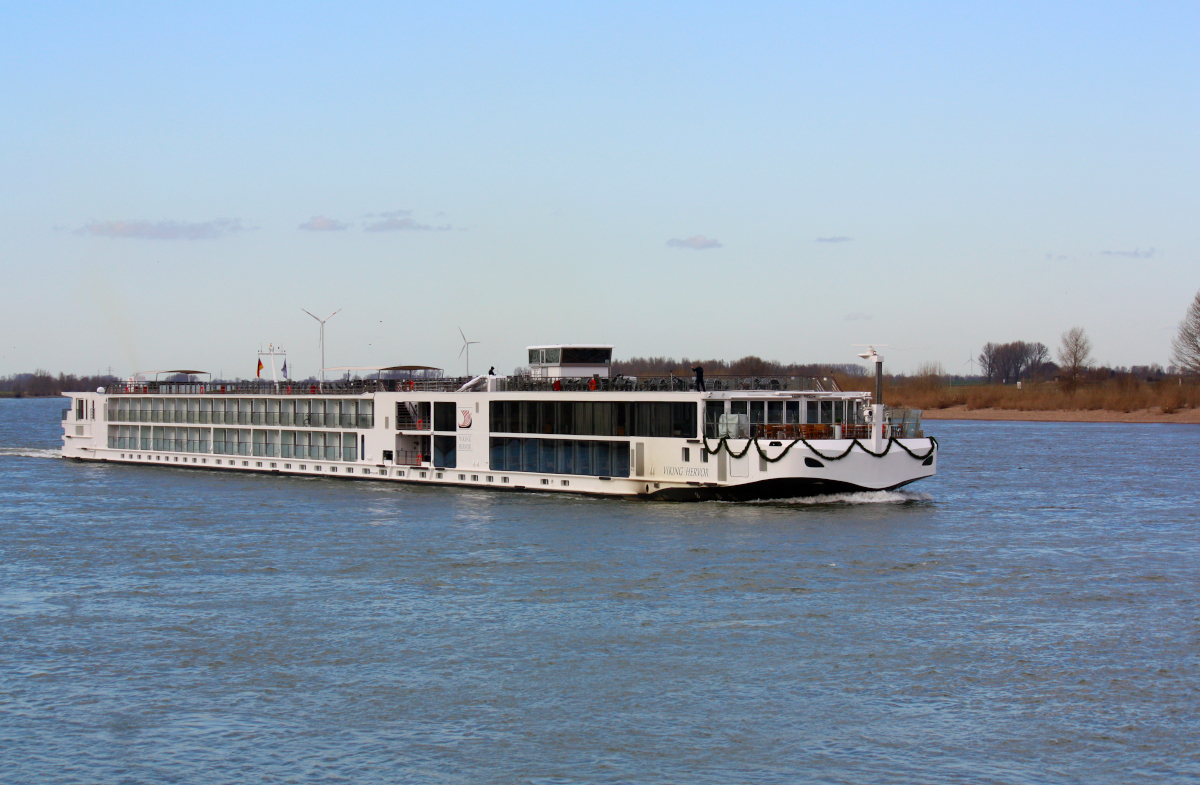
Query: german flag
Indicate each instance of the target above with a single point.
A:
(260, 367)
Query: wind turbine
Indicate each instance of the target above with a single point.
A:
(971, 362)
(322, 321)
(466, 348)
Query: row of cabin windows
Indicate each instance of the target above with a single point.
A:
(237, 441)
(827, 412)
(559, 456)
(317, 412)
(592, 418)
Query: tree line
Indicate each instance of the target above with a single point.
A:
(746, 366)
(42, 383)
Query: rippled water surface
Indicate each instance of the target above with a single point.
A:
(1029, 616)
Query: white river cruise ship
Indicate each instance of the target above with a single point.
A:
(566, 426)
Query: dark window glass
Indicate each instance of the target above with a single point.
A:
(620, 459)
(443, 417)
(444, 456)
(529, 417)
(642, 418)
(558, 456)
(756, 412)
(565, 421)
(812, 412)
(602, 416)
(827, 412)
(739, 407)
(792, 412)
(683, 420)
(621, 418)
(712, 417)
(496, 417)
(583, 457)
(583, 418)
(774, 411)
(601, 464)
(584, 356)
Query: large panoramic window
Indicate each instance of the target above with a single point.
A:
(559, 456)
(595, 418)
(584, 356)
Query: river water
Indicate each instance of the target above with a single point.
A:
(1029, 616)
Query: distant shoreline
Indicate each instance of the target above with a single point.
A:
(1155, 415)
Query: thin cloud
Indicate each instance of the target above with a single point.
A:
(696, 242)
(320, 223)
(833, 239)
(1136, 253)
(390, 214)
(859, 317)
(403, 224)
(163, 230)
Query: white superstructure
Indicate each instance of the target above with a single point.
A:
(563, 428)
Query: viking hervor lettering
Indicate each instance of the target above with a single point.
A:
(685, 471)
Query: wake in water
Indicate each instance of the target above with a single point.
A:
(28, 452)
(859, 497)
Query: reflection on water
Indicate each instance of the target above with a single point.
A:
(1028, 616)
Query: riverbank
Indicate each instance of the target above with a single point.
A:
(1153, 415)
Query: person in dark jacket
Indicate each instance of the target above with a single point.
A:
(699, 371)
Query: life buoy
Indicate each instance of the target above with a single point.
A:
(592, 385)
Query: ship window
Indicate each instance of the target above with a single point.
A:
(791, 412)
(535, 356)
(443, 416)
(585, 356)
(687, 455)
(552, 356)
(774, 411)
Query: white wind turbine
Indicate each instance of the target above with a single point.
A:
(466, 348)
(322, 321)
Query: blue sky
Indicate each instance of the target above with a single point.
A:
(691, 179)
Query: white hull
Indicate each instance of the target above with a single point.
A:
(99, 427)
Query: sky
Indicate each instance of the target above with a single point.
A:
(691, 179)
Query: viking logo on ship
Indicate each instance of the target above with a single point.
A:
(464, 420)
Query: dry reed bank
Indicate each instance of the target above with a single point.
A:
(1118, 399)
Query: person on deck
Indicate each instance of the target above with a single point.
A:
(492, 371)
(699, 371)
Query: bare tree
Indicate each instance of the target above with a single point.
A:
(988, 361)
(1074, 357)
(1185, 349)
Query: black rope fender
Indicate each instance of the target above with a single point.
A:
(724, 442)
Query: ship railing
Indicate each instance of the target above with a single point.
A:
(668, 383)
(286, 388)
(715, 383)
(813, 431)
(410, 458)
(408, 424)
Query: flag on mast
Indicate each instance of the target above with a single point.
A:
(285, 369)
(260, 367)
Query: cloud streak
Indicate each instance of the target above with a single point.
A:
(1136, 253)
(163, 230)
(696, 242)
(838, 239)
(319, 223)
(403, 224)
